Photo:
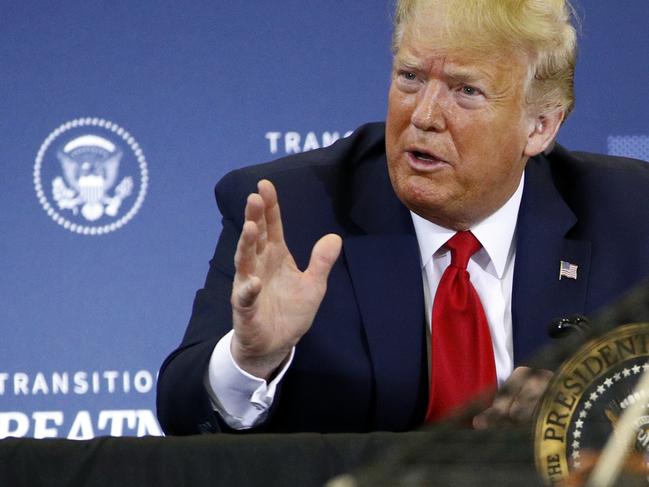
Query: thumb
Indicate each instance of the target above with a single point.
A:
(323, 256)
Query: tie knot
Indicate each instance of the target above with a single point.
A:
(462, 245)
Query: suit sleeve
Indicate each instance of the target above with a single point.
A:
(183, 403)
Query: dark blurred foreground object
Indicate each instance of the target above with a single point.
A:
(448, 456)
(451, 457)
(454, 456)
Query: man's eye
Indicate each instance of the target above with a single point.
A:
(408, 75)
(470, 90)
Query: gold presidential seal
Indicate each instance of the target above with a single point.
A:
(585, 399)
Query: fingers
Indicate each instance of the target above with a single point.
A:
(323, 257)
(524, 404)
(273, 218)
(254, 212)
(245, 257)
(252, 242)
(262, 208)
(517, 400)
(244, 296)
(246, 286)
(496, 414)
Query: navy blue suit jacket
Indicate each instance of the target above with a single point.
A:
(366, 350)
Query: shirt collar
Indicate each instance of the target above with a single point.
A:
(495, 233)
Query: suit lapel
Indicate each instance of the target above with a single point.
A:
(388, 288)
(384, 265)
(543, 241)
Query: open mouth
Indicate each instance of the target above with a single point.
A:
(422, 156)
(425, 160)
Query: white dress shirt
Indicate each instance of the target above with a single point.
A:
(243, 400)
(491, 271)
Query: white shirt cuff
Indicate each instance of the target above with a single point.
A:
(240, 398)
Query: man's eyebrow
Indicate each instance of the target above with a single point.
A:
(467, 75)
(460, 73)
(410, 62)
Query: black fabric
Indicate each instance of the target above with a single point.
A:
(212, 460)
(282, 460)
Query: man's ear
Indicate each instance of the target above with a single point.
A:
(543, 131)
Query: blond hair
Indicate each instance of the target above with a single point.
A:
(540, 29)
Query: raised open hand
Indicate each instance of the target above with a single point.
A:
(273, 302)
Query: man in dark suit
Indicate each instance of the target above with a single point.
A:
(345, 344)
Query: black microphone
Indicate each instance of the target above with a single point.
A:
(573, 324)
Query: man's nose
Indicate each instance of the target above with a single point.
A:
(429, 112)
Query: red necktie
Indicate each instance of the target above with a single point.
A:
(462, 359)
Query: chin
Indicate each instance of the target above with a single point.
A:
(420, 198)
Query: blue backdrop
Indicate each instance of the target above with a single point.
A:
(106, 238)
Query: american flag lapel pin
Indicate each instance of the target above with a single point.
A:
(567, 270)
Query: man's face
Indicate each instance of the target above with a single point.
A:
(457, 133)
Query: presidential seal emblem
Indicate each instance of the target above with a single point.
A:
(90, 176)
(586, 398)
